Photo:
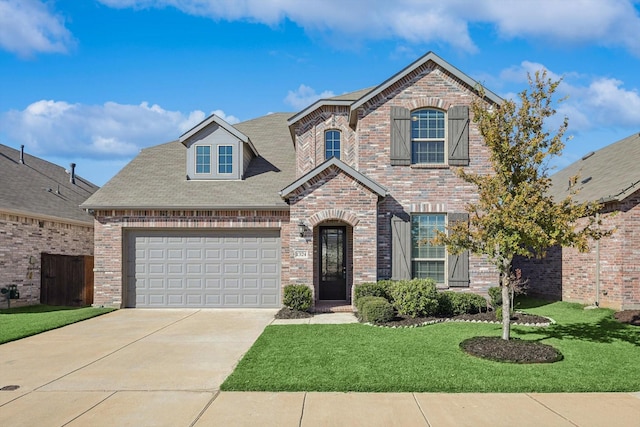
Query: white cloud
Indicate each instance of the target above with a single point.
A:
(232, 120)
(29, 26)
(591, 102)
(110, 130)
(603, 22)
(305, 96)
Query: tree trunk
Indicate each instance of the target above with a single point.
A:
(506, 309)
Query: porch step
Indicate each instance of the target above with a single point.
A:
(333, 307)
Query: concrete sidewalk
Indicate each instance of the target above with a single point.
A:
(423, 409)
(165, 367)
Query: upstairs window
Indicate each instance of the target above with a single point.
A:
(203, 159)
(427, 137)
(427, 260)
(225, 159)
(332, 144)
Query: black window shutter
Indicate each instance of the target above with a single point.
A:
(400, 249)
(400, 136)
(458, 264)
(458, 119)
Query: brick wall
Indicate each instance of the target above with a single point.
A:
(110, 226)
(335, 198)
(619, 260)
(22, 238)
(412, 189)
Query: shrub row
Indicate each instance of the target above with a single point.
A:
(415, 298)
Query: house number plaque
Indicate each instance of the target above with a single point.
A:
(300, 254)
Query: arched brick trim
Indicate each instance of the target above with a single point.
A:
(338, 214)
(426, 102)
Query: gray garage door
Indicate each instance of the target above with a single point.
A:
(231, 268)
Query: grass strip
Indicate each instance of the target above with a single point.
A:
(21, 322)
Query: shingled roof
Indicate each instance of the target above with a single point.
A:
(41, 189)
(609, 174)
(156, 178)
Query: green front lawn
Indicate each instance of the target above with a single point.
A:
(600, 354)
(20, 322)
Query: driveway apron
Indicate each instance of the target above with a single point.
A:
(112, 369)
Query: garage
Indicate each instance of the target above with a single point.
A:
(203, 268)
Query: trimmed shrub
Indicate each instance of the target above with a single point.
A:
(452, 303)
(445, 307)
(363, 300)
(495, 293)
(372, 289)
(297, 297)
(467, 303)
(377, 310)
(415, 298)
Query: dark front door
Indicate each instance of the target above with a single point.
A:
(333, 265)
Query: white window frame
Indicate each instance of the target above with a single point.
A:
(195, 164)
(218, 164)
(444, 258)
(443, 139)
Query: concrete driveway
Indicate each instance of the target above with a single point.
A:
(129, 367)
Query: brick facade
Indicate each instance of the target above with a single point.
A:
(334, 198)
(110, 227)
(22, 241)
(573, 276)
(411, 189)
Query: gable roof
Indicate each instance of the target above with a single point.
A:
(609, 174)
(223, 124)
(339, 164)
(156, 178)
(429, 56)
(346, 99)
(41, 189)
(357, 99)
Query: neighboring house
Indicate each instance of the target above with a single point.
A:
(341, 193)
(39, 214)
(609, 274)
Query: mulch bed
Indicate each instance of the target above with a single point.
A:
(513, 351)
(517, 318)
(287, 313)
(631, 317)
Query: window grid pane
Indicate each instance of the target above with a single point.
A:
(203, 159)
(225, 159)
(427, 136)
(429, 269)
(427, 260)
(332, 144)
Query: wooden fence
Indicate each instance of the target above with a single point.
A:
(66, 280)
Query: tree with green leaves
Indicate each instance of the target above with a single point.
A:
(514, 214)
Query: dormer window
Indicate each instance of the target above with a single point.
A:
(203, 159)
(225, 159)
(332, 144)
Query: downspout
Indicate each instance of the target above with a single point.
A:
(597, 302)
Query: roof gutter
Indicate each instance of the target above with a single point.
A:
(69, 221)
(186, 208)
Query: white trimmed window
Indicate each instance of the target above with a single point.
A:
(428, 260)
(428, 137)
(203, 159)
(225, 159)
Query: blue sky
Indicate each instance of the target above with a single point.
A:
(94, 81)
